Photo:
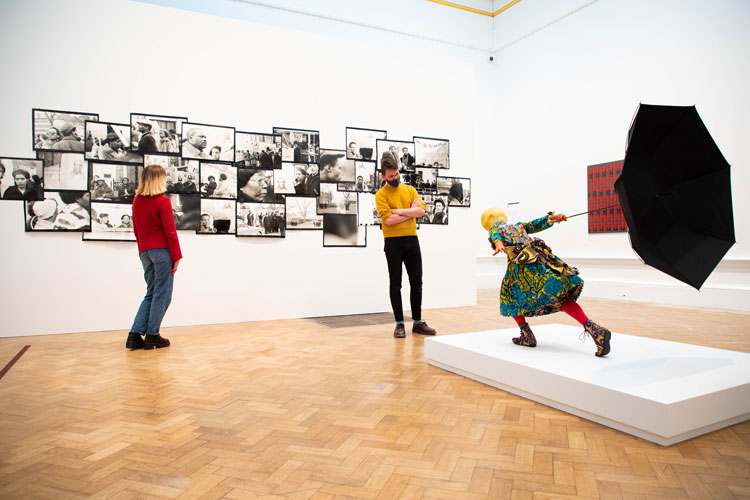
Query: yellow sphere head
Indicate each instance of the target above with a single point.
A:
(492, 216)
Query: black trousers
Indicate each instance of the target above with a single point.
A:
(398, 250)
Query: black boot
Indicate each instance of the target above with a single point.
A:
(134, 341)
(155, 342)
(527, 337)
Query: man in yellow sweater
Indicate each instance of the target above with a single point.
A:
(399, 205)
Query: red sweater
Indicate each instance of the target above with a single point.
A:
(153, 225)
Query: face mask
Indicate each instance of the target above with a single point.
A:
(395, 182)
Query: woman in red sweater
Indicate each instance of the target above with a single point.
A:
(160, 254)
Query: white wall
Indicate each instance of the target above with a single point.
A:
(122, 56)
(564, 98)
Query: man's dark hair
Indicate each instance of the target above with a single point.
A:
(388, 164)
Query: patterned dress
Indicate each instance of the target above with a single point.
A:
(537, 282)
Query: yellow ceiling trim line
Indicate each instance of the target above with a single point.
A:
(476, 11)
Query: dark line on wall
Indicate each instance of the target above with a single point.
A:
(13, 361)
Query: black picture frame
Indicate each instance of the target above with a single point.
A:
(117, 232)
(333, 201)
(343, 231)
(365, 139)
(424, 180)
(456, 197)
(334, 167)
(42, 121)
(429, 218)
(171, 145)
(388, 144)
(261, 220)
(216, 136)
(101, 136)
(302, 213)
(248, 150)
(107, 182)
(186, 210)
(218, 210)
(183, 174)
(427, 149)
(34, 167)
(70, 212)
(71, 174)
(225, 175)
(308, 141)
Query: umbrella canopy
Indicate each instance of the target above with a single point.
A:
(675, 193)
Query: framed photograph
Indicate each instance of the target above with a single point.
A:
(207, 142)
(256, 186)
(261, 219)
(361, 143)
(367, 211)
(71, 174)
(218, 180)
(424, 180)
(21, 179)
(182, 174)
(59, 211)
(366, 178)
(112, 182)
(334, 167)
(284, 179)
(401, 151)
(299, 145)
(59, 130)
(343, 231)
(186, 211)
(217, 216)
(256, 150)
(429, 152)
(436, 209)
(458, 190)
(156, 134)
(333, 201)
(306, 179)
(301, 213)
(110, 222)
(109, 142)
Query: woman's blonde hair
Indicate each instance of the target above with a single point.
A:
(153, 181)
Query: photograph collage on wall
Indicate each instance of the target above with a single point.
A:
(219, 180)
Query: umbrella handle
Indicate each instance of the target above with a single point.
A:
(594, 210)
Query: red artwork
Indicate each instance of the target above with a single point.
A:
(601, 189)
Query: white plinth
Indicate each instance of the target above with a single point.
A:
(661, 391)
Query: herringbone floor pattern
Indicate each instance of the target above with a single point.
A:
(292, 409)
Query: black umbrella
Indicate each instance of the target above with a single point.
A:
(675, 193)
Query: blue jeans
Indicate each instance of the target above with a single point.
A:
(157, 270)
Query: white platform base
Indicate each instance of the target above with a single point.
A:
(664, 392)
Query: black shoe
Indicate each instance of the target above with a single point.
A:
(400, 331)
(423, 329)
(135, 341)
(155, 342)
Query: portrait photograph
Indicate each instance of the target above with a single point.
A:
(343, 231)
(334, 167)
(156, 134)
(458, 190)
(361, 143)
(21, 179)
(255, 185)
(59, 211)
(261, 219)
(110, 222)
(306, 179)
(207, 142)
(257, 150)
(182, 173)
(298, 145)
(112, 182)
(284, 180)
(401, 151)
(186, 211)
(333, 201)
(436, 209)
(110, 142)
(59, 130)
(217, 216)
(72, 173)
(429, 152)
(302, 213)
(218, 180)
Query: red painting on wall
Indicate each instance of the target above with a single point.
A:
(601, 191)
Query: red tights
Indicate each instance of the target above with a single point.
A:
(569, 307)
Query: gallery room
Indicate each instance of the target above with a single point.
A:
(387, 249)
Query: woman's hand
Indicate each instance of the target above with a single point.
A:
(558, 217)
(174, 265)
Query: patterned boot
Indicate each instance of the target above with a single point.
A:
(600, 335)
(527, 337)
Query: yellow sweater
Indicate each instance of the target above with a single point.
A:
(389, 197)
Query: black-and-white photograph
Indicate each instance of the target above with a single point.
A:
(365, 178)
(284, 179)
(109, 142)
(60, 130)
(343, 231)
(302, 213)
(361, 143)
(156, 134)
(217, 216)
(256, 150)
(424, 180)
(436, 209)
(254, 185)
(207, 142)
(333, 201)
(306, 179)
(400, 151)
(110, 222)
(182, 173)
(299, 146)
(218, 180)
(367, 212)
(186, 211)
(334, 167)
(261, 219)
(59, 211)
(112, 182)
(458, 190)
(72, 173)
(429, 152)
(21, 179)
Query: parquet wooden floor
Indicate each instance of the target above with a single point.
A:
(293, 409)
